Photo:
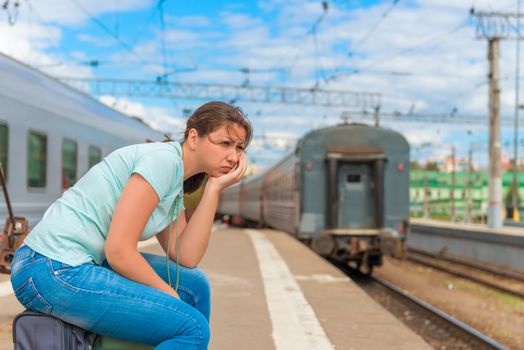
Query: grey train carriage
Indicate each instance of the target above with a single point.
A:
(343, 190)
(51, 134)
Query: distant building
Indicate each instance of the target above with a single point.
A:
(445, 164)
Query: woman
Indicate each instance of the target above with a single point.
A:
(80, 262)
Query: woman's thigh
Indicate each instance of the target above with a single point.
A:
(100, 300)
(193, 286)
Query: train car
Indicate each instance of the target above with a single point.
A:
(251, 200)
(51, 134)
(343, 189)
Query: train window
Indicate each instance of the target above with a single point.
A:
(69, 163)
(352, 178)
(36, 160)
(3, 148)
(95, 155)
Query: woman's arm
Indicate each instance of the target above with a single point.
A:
(135, 206)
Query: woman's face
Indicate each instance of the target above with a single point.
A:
(221, 149)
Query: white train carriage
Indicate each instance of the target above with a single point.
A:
(251, 199)
(51, 134)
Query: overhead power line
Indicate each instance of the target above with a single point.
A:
(109, 31)
(366, 36)
(233, 93)
(311, 31)
(382, 60)
(11, 8)
(362, 104)
(373, 28)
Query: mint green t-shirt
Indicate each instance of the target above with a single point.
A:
(74, 229)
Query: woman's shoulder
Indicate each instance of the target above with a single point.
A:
(169, 151)
(161, 165)
(152, 146)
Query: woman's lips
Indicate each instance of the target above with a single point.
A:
(226, 169)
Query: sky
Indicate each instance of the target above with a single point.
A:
(422, 57)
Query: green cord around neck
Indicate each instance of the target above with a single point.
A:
(176, 246)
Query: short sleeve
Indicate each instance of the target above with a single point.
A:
(162, 169)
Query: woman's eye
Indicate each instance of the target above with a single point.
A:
(226, 143)
(240, 149)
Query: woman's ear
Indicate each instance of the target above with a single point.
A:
(192, 139)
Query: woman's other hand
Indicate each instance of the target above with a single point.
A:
(223, 181)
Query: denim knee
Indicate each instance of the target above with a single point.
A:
(194, 334)
(202, 284)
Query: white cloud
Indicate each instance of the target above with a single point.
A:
(78, 12)
(239, 21)
(423, 54)
(159, 118)
(98, 41)
(190, 21)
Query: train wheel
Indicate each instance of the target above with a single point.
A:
(324, 245)
(365, 265)
(368, 269)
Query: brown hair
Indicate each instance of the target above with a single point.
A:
(206, 119)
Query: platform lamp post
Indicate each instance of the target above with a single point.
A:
(425, 181)
(515, 197)
(453, 182)
(426, 197)
(469, 194)
(420, 209)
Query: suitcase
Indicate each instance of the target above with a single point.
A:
(37, 331)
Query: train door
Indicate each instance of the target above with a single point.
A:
(355, 189)
(356, 195)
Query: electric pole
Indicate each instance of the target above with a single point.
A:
(494, 26)
(515, 185)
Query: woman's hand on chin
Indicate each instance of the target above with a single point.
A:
(223, 181)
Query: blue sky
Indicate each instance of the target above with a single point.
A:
(422, 56)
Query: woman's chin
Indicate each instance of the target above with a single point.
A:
(218, 173)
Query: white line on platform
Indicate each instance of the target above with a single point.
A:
(5, 289)
(295, 325)
(322, 278)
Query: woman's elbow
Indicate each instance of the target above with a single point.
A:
(188, 261)
(114, 256)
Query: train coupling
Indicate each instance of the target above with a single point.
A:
(350, 245)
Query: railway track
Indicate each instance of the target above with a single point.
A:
(497, 279)
(437, 328)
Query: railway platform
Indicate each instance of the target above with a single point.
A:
(472, 227)
(269, 291)
(497, 247)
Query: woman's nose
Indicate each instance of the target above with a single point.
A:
(232, 154)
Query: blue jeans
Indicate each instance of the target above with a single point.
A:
(98, 299)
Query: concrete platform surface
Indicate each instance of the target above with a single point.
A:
(271, 292)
